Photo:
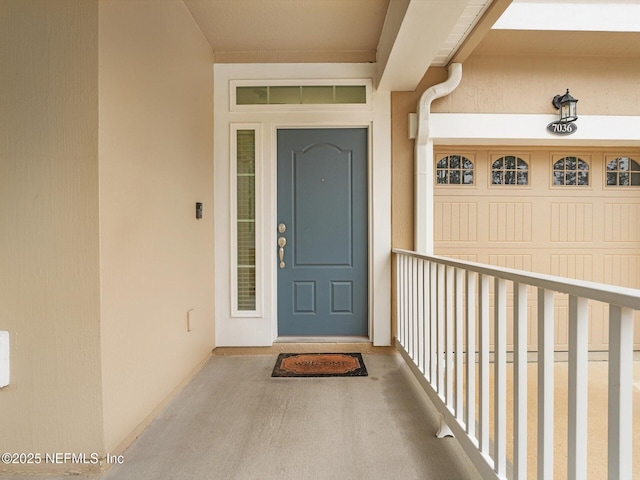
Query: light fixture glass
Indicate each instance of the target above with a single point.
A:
(568, 107)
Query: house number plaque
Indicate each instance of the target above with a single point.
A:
(562, 128)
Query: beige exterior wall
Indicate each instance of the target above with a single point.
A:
(514, 84)
(156, 259)
(510, 84)
(105, 147)
(526, 84)
(49, 237)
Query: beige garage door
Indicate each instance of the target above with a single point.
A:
(573, 213)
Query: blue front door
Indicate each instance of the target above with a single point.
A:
(322, 232)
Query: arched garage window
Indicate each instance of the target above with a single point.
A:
(510, 170)
(454, 170)
(571, 171)
(623, 172)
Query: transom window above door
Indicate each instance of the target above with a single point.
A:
(570, 171)
(623, 172)
(510, 170)
(302, 95)
(454, 170)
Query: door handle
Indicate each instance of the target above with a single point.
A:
(282, 242)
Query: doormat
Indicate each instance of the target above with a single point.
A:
(319, 365)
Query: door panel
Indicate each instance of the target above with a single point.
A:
(322, 201)
(576, 231)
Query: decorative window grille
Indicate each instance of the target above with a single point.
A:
(571, 171)
(454, 170)
(623, 172)
(510, 170)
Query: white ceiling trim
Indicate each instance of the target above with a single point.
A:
(420, 33)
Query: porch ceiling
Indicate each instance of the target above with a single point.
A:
(405, 37)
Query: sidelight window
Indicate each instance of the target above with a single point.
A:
(245, 236)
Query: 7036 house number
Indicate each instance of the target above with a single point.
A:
(562, 128)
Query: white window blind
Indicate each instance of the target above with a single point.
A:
(246, 219)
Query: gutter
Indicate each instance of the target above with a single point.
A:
(424, 163)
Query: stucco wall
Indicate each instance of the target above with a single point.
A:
(509, 84)
(156, 123)
(49, 286)
(527, 83)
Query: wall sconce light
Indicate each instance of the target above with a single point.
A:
(568, 109)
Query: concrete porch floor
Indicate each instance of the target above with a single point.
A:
(233, 421)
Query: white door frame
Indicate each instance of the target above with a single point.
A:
(260, 328)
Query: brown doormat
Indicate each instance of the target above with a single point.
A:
(319, 365)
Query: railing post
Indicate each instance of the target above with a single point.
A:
(520, 345)
(620, 392)
(545, 383)
(578, 388)
(500, 365)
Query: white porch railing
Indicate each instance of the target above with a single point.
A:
(443, 306)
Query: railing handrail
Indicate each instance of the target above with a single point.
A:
(444, 318)
(601, 292)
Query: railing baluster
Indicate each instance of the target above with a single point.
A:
(401, 301)
(441, 311)
(433, 337)
(470, 414)
(438, 315)
(417, 300)
(620, 392)
(500, 365)
(449, 338)
(520, 381)
(578, 391)
(420, 316)
(545, 383)
(459, 355)
(426, 309)
(406, 306)
(410, 313)
(483, 301)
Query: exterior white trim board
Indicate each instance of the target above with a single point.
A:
(236, 330)
(531, 129)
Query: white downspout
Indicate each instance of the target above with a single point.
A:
(424, 221)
